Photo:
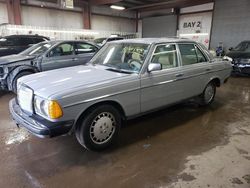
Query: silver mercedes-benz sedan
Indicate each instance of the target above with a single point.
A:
(125, 79)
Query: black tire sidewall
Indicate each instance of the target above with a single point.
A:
(83, 130)
(19, 75)
(203, 100)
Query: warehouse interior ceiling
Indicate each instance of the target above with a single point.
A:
(147, 5)
(137, 5)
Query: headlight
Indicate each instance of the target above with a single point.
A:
(24, 97)
(47, 108)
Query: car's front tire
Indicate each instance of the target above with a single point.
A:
(19, 75)
(99, 127)
(208, 95)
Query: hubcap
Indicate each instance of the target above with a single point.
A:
(102, 128)
(209, 93)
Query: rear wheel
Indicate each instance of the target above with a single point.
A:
(99, 128)
(19, 75)
(208, 95)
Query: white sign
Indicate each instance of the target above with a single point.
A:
(196, 27)
(67, 3)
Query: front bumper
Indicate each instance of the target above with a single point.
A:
(241, 69)
(37, 125)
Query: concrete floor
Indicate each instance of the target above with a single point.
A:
(182, 146)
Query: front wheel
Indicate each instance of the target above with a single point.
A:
(14, 82)
(99, 128)
(208, 95)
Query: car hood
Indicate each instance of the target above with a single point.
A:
(14, 58)
(238, 54)
(67, 80)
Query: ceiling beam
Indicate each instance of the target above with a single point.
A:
(170, 4)
(103, 2)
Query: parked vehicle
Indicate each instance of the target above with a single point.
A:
(240, 57)
(42, 57)
(125, 79)
(15, 44)
(102, 41)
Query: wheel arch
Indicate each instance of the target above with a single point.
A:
(17, 71)
(113, 103)
(216, 80)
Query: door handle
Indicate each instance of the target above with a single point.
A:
(208, 69)
(75, 59)
(179, 75)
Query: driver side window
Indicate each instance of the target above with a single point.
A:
(166, 55)
(62, 50)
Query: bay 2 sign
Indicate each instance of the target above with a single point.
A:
(192, 24)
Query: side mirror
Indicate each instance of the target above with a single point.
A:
(154, 67)
(230, 49)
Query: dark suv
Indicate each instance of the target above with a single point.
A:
(15, 44)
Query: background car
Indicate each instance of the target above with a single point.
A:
(42, 57)
(240, 58)
(15, 44)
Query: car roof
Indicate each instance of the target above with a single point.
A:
(61, 41)
(153, 40)
(12, 36)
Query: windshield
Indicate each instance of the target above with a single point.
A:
(37, 49)
(243, 46)
(122, 57)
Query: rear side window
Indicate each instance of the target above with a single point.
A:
(190, 54)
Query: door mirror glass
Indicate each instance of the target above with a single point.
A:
(154, 67)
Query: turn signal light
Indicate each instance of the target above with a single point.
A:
(55, 110)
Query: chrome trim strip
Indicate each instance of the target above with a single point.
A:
(131, 90)
(179, 79)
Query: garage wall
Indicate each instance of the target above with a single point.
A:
(161, 26)
(3, 13)
(231, 22)
(34, 16)
(107, 23)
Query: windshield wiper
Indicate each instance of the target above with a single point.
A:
(120, 70)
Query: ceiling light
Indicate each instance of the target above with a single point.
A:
(117, 7)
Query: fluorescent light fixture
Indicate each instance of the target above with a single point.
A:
(193, 34)
(117, 7)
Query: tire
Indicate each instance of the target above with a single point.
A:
(19, 75)
(208, 95)
(99, 128)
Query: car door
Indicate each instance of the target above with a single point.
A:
(195, 66)
(159, 88)
(60, 56)
(84, 52)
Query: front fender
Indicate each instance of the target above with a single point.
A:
(16, 71)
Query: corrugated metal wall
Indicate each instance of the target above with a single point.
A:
(33, 16)
(108, 23)
(162, 26)
(231, 23)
